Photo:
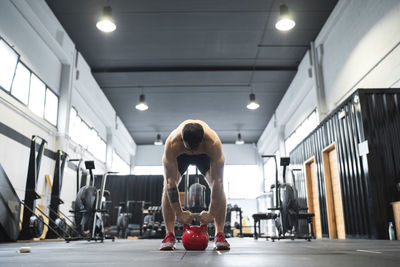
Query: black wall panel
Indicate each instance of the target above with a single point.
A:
(368, 181)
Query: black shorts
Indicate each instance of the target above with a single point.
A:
(201, 161)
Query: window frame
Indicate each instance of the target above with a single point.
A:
(15, 69)
(44, 101)
(90, 129)
(58, 105)
(300, 125)
(29, 89)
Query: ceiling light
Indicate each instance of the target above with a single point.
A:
(285, 21)
(158, 141)
(239, 140)
(252, 103)
(106, 22)
(142, 103)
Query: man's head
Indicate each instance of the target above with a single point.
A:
(192, 135)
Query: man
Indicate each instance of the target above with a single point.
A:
(193, 142)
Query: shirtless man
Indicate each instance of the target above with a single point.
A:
(193, 142)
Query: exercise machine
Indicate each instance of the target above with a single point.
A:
(57, 221)
(238, 225)
(287, 211)
(88, 208)
(32, 224)
(195, 195)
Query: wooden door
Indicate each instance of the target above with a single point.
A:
(336, 224)
(313, 196)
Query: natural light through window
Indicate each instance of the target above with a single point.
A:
(87, 137)
(37, 95)
(301, 132)
(242, 181)
(8, 62)
(148, 170)
(119, 165)
(20, 87)
(51, 107)
(269, 174)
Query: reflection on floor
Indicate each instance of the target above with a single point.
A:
(244, 252)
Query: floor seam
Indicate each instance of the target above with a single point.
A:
(183, 256)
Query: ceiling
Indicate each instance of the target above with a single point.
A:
(193, 59)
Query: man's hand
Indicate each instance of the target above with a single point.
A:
(185, 217)
(205, 217)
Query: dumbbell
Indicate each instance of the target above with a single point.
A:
(150, 225)
(156, 226)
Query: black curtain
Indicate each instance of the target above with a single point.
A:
(132, 187)
(140, 188)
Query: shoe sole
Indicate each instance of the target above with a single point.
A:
(168, 248)
(222, 248)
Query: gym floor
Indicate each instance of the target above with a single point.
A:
(244, 252)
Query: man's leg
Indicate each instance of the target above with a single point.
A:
(169, 218)
(219, 206)
(219, 199)
(167, 211)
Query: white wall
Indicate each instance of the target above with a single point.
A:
(361, 49)
(358, 47)
(94, 107)
(151, 155)
(297, 103)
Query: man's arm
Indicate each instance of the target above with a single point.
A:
(171, 171)
(218, 199)
(171, 177)
(217, 187)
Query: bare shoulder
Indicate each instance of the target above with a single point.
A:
(214, 146)
(170, 147)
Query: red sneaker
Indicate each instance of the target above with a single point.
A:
(220, 242)
(169, 242)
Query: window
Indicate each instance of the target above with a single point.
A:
(269, 174)
(8, 63)
(36, 96)
(119, 165)
(25, 86)
(101, 149)
(20, 86)
(148, 170)
(301, 132)
(242, 181)
(157, 170)
(74, 122)
(86, 136)
(51, 107)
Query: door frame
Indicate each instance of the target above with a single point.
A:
(331, 200)
(310, 197)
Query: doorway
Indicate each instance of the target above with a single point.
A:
(313, 196)
(334, 204)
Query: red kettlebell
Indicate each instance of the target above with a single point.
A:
(195, 237)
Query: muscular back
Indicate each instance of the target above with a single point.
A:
(211, 146)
